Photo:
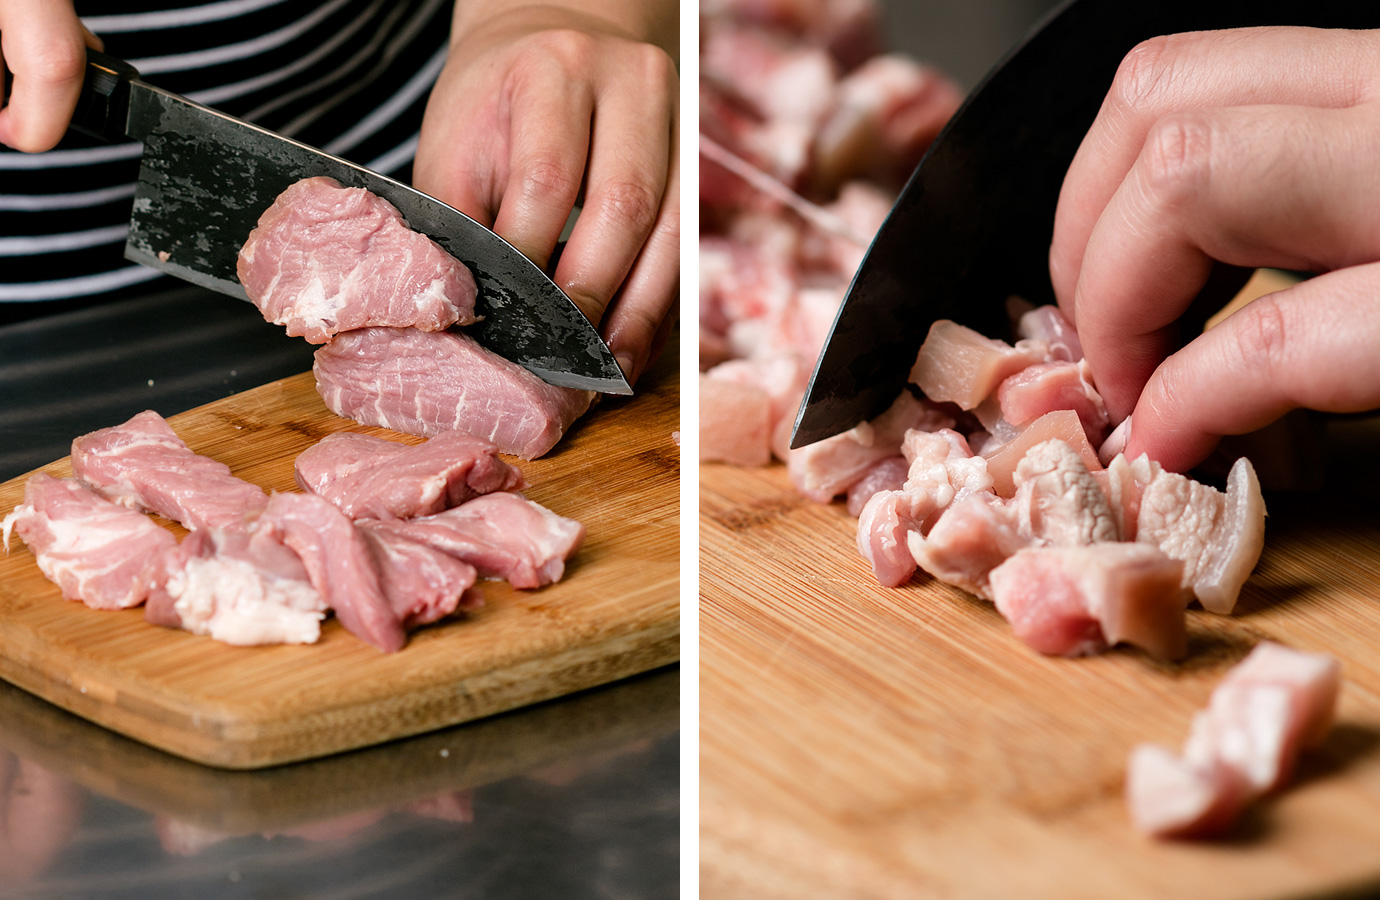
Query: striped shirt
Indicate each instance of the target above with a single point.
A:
(348, 76)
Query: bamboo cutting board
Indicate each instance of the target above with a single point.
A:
(614, 614)
(864, 742)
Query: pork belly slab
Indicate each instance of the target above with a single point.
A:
(1270, 707)
(238, 588)
(425, 383)
(326, 259)
(143, 464)
(502, 535)
(367, 476)
(104, 555)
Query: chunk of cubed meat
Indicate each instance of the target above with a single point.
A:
(1045, 387)
(779, 78)
(101, 554)
(942, 469)
(1062, 425)
(1172, 798)
(1058, 501)
(340, 565)
(1049, 325)
(735, 423)
(238, 588)
(887, 475)
(143, 464)
(1218, 536)
(883, 526)
(425, 383)
(957, 365)
(1072, 601)
(422, 585)
(368, 476)
(504, 536)
(972, 537)
(326, 259)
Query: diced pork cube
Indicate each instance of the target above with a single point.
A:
(887, 475)
(972, 537)
(1062, 425)
(1045, 387)
(1170, 797)
(958, 365)
(1058, 501)
(326, 259)
(1048, 325)
(735, 423)
(104, 555)
(883, 527)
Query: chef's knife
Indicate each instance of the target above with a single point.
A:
(205, 177)
(973, 225)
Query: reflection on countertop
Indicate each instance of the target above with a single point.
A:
(572, 798)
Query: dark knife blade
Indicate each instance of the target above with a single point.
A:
(974, 223)
(205, 177)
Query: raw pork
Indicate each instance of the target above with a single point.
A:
(368, 476)
(238, 588)
(972, 537)
(425, 383)
(1057, 499)
(735, 423)
(142, 464)
(1271, 706)
(102, 554)
(887, 475)
(326, 259)
(422, 585)
(502, 535)
(956, 364)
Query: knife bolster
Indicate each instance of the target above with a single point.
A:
(103, 106)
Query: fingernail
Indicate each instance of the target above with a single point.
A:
(1115, 442)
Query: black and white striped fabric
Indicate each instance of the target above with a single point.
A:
(349, 76)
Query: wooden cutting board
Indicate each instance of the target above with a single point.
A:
(614, 614)
(865, 742)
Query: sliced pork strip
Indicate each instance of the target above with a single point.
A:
(973, 536)
(339, 562)
(958, 365)
(502, 535)
(883, 526)
(1045, 387)
(886, 475)
(326, 259)
(1072, 601)
(1123, 482)
(1063, 425)
(240, 589)
(101, 554)
(143, 464)
(1058, 501)
(403, 481)
(827, 468)
(1172, 798)
(422, 585)
(1218, 536)
(425, 383)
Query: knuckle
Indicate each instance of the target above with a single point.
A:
(1177, 155)
(568, 45)
(1142, 73)
(548, 177)
(629, 203)
(1263, 337)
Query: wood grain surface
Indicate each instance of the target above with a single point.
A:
(614, 614)
(865, 742)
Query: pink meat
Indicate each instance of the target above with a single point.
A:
(848, 27)
(942, 470)
(1058, 501)
(422, 585)
(972, 537)
(782, 378)
(1048, 325)
(340, 564)
(1045, 387)
(779, 79)
(1062, 425)
(823, 470)
(239, 588)
(735, 423)
(887, 475)
(326, 259)
(956, 364)
(1219, 537)
(104, 555)
(1123, 482)
(1270, 707)
(425, 383)
(883, 526)
(502, 535)
(142, 464)
(369, 476)
(1072, 601)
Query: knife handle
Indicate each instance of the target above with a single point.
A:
(103, 106)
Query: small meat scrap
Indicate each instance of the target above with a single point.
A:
(884, 525)
(958, 365)
(102, 554)
(1274, 704)
(422, 585)
(425, 383)
(367, 476)
(238, 588)
(503, 535)
(1077, 600)
(1219, 537)
(326, 259)
(143, 464)
(339, 563)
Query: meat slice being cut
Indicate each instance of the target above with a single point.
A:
(425, 383)
(326, 259)
(143, 464)
(1072, 601)
(368, 476)
(238, 588)
(502, 535)
(422, 585)
(1269, 707)
(102, 554)
(1045, 387)
(339, 562)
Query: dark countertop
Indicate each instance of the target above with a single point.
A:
(577, 797)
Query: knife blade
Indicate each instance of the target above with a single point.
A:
(974, 223)
(205, 177)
